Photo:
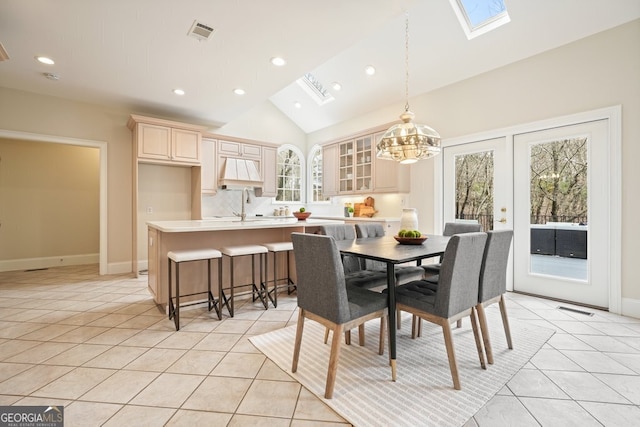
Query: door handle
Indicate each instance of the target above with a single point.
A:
(502, 220)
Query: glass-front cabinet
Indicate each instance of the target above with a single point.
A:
(363, 163)
(345, 171)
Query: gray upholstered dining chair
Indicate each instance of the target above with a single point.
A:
(493, 284)
(324, 296)
(355, 271)
(455, 296)
(451, 228)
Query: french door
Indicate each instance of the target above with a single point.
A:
(551, 187)
(561, 216)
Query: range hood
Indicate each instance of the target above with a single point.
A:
(239, 173)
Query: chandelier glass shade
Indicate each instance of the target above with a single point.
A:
(408, 142)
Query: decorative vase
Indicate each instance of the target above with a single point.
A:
(409, 219)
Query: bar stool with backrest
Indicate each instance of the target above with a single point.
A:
(257, 289)
(275, 248)
(182, 256)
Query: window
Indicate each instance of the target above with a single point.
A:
(289, 174)
(480, 16)
(315, 176)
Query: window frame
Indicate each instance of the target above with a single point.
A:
(316, 148)
(303, 177)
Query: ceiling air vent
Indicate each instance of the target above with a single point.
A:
(200, 31)
(3, 53)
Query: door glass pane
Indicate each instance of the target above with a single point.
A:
(474, 188)
(559, 214)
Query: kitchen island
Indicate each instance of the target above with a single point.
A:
(165, 236)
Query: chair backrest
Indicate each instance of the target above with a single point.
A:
(369, 230)
(460, 273)
(339, 231)
(493, 273)
(320, 282)
(366, 231)
(451, 228)
(344, 232)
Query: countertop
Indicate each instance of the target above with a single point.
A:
(223, 224)
(360, 218)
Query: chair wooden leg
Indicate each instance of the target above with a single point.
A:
(505, 321)
(476, 335)
(459, 324)
(484, 329)
(326, 335)
(448, 342)
(296, 347)
(333, 362)
(383, 331)
(398, 319)
(414, 326)
(361, 334)
(347, 337)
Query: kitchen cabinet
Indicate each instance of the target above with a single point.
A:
(165, 144)
(389, 176)
(240, 149)
(330, 170)
(208, 176)
(269, 166)
(351, 167)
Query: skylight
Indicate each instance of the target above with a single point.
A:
(478, 17)
(314, 88)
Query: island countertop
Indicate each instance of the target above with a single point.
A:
(223, 224)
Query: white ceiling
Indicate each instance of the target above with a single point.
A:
(132, 54)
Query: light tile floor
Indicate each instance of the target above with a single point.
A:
(99, 346)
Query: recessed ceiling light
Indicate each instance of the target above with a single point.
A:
(178, 92)
(45, 60)
(336, 86)
(297, 104)
(239, 91)
(370, 70)
(277, 61)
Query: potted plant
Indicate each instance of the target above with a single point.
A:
(350, 210)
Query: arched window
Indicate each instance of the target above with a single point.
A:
(290, 174)
(315, 176)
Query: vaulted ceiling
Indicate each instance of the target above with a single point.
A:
(132, 54)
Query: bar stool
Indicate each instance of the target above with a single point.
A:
(245, 250)
(178, 257)
(275, 248)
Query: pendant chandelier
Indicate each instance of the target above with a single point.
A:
(408, 142)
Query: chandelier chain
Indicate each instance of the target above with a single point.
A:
(406, 60)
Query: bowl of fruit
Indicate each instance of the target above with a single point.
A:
(302, 214)
(410, 237)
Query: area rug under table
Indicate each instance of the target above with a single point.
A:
(423, 393)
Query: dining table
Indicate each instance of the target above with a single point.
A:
(386, 249)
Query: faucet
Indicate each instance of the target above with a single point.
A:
(243, 213)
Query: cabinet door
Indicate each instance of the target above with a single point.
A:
(389, 175)
(209, 178)
(185, 146)
(229, 148)
(345, 168)
(363, 165)
(268, 172)
(154, 142)
(251, 151)
(330, 170)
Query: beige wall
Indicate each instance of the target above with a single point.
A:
(49, 200)
(596, 72)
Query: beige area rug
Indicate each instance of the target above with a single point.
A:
(423, 394)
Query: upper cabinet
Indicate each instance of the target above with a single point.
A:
(166, 142)
(351, 167)
(240, 149)
(208, 175)
(269, 165)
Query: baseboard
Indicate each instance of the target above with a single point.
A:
(631, 307)
(119, 267)
(46, 262)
